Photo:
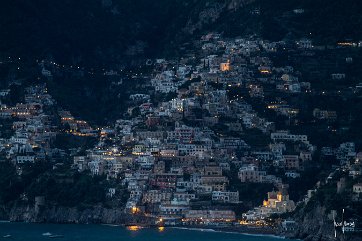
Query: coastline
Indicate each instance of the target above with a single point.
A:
(228, 230)
(114, 216)
(244, 230)
(99, 232)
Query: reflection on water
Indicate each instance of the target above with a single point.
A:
(134, 228)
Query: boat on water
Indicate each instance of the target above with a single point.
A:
(47, 234)
(7, 236)
(56, 236)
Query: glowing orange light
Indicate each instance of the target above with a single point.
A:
(133, 228)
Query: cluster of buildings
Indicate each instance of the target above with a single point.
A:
(33, 130)
(74, 126)
(182, 157)
(177, 157)
(34, 125)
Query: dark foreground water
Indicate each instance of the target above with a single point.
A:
(68, 232)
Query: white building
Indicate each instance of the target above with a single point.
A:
(286, 136)
(225, 197)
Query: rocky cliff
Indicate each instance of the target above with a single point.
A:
(58, 214)
(315, 225)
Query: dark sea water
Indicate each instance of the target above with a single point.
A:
(69, 232)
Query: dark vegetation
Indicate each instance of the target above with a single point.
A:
(328, 197)
(67, 141)
(60, 186)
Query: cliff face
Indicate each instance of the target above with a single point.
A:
(57, 214)
(314, 225)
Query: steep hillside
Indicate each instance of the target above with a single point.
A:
(92, 32)
(110, 34)
(108, 31)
